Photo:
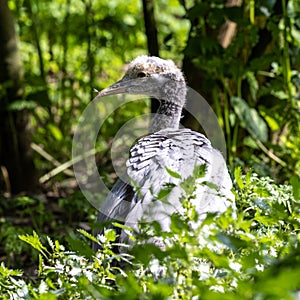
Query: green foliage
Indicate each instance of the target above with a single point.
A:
(70, 275)
(255, 78)
(295, 182)
(70, 47)
(11, 284)
(54, 217)
(252, 253)
(34, 242)
(250, 119)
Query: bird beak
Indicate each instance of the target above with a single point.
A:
(120, 87)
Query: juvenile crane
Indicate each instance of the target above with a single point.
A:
(166, 148)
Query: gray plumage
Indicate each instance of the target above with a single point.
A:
(166, 147)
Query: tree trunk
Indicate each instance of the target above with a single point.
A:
(152, 42)
(15, 136)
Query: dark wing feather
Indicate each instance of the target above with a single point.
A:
(116, 206)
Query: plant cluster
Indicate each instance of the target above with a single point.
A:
(247, 57)
(70, 47)
(252, 253)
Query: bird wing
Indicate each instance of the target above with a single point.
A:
(169, 148)
(115, 207)
(117, 203)
(147, 164)
(178, 150)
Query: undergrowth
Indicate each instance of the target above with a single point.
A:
(253, 253)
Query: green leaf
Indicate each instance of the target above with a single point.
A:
(198, 10)
(173, 174)
(21, 104)
(165, 191)
(280, 284)
(295, 182)
(272, 122)
(248, 177)
(234, 14)
(110, 235)
(118, 225)
(47, 296)
(238, 177)
(232, 242)
(178, 225)
(262, 191)
(199, 171)
(250, 119)
(211, 185)
(5, 272)
(79, 245)
(87, 235)
(35, 242)
(252, 83)
(55, 131)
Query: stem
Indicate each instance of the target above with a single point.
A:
(235, 137)
(226, 121)
(252, 11)
(270, 153)
(37, 39)
(66, 165)
(218, 107)
(239, 86)
(49, 158)
(90, 33)
(65, 49)
(237, 123)
(33, 12)
(287, 74)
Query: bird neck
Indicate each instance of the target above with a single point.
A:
(167, 116)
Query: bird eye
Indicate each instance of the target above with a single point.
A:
(141, 74)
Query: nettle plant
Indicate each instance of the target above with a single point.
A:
(252, 253)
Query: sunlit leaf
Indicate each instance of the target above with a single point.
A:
(55, 131)
(35, 242)
(238, 177)
(295, 182)
(22, 104)
(173, 173)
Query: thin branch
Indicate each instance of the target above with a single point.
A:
(48, 157)
(270, 153)
(6, 180)
(61, 168)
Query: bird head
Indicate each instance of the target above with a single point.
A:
(151, 76)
